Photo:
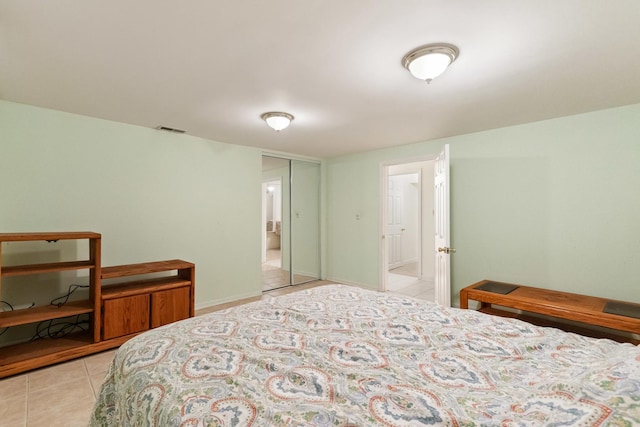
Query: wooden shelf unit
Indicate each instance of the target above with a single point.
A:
(131, 306)
(47, 312)
(18, 270)
(23, 357)
(547, 307)
(72, 346)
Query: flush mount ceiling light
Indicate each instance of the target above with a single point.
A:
(429, 61)
(277, 120)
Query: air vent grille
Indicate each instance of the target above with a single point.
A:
(168, 129)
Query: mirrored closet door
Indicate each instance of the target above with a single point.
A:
(290, 222)
(305, 221)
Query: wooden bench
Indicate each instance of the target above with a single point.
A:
(563, 310)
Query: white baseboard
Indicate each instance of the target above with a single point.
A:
(211, 303)
(350, 283)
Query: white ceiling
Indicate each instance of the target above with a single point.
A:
(211, 67)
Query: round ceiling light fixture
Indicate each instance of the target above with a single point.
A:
(277, 120)
(429, 61)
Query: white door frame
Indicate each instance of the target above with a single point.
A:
(384, 192)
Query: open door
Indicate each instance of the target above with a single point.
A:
(443, 248)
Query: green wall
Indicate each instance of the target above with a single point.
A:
(554, 204)
(153, 195)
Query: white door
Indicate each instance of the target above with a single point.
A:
(395, 227)
(442, 239)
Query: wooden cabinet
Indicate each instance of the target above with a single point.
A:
(170, 306)
(31, 355)
(134, 306)
(124, 316)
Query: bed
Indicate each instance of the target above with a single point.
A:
(338, 355)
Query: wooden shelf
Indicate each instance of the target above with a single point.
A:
(48, 236)
(52, 267)
(144, 268)
(120, 290)
(42, 347)
(24, 357)
(39, 314)
(32, 355)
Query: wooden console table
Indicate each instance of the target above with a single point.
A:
(613, 315)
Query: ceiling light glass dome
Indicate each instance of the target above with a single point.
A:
(429, 61)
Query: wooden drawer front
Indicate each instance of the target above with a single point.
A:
(170, 306)
(123, 316)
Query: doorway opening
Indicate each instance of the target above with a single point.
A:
(408, 218)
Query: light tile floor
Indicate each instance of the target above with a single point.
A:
(403, 280)
(411, 286)
(55, 396)
(63, 395)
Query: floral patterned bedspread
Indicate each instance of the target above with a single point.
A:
(342, 356)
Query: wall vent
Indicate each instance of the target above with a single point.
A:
(168, 129)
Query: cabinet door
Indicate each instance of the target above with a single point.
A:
(170, 306)
(124, 316)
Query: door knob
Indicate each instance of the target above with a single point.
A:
(447, 250)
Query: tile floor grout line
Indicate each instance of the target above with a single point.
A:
(86, 371)
(26, 403)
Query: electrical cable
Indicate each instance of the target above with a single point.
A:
(10, 309)
(58, 328)
(70, 291)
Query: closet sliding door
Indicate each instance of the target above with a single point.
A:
(305, 221)
(276, 223)
(291, 222)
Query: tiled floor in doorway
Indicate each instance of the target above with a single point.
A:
(403, 281)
